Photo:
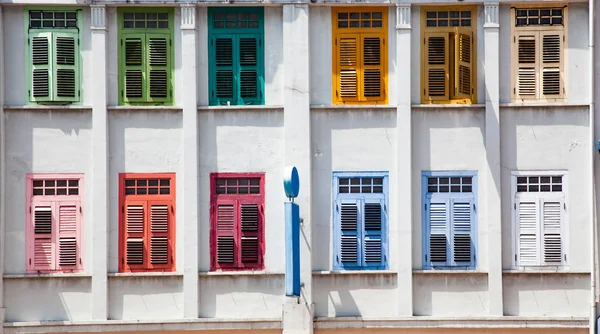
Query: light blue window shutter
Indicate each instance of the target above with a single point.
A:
(349, 242)
(374, 256)
(462, 238)
(438, 218)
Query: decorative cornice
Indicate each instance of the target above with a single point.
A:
(188, 17)
(403, 16)
(98, 17)
(491, 16)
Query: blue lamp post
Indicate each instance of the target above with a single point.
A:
(291, 186)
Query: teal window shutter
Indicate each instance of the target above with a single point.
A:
(249, 73)
(223, 70)
(40, 44)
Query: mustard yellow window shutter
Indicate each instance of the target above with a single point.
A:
(437, 66)
(348, 58)
(372, 67)
(463, 66)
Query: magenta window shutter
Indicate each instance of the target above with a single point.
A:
(68, 245)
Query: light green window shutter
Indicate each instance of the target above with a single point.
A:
(159, 63)
(65, 65)
(134, 69)
(40, 45)
(249, 76)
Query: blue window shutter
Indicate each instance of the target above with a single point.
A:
(438, 217)
(462, 232)
(374, 218)
(349, 243)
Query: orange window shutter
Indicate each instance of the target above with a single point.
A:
(348, 67)
(135, 239)
(42, 256)
(69, 248)
(161, 247)
(437, 66)
(372, 73)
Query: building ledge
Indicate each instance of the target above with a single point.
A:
(144, 108)
(544, 272)
(48, 275)
(352, 272)
(146, 274)
(448, 272)
(240, 273)
(241, 108)
(352, 107)
(453, 322)
(138, 325)
(447, 106)
(47, 107)
(542, 105)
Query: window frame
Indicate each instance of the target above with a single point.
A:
(537, 196)
(336, 33)
(452, 73)
(122, 33)
(147, 267)
(540, 30)
(54, 199)
(258, 198)
(383, 197)
(426, 199)
(236, 34)
(77, 30)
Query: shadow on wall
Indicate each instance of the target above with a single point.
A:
(145, 298)
(436, 295)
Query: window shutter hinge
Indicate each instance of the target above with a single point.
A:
(260, 42)
(474, 207)
(426, 258)
(424, 41)
(28, 41)
(424, 92)
(384, 41)
(565, 205)
(336, 41)
(515, 205)
(123, 260)
(123, 209)
(121, 42)
(80, 210)
(29, 261)
(170, 42)
(79, 260)
(472, 90)
(29, 209)
(78, 41)
(514, 90)
(563, 38)
(515, 258)
(79, 93)
(514, 39)
(565, 256)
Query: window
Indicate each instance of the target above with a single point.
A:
(237, 216)
(53, 55)
(236, 55)
(54, 223)
(539, 219)
(145, 56)
(359, 55)
(147, 222)
(449, 55)
(360, 216)
(449, 220)
(538, 53)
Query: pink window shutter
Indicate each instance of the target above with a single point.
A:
(42, 237)
(68, 245)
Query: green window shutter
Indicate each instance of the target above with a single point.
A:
(158, 67)
(65, 74)
(249, 73)
(40, 45)
(223, 70)
(133, 68)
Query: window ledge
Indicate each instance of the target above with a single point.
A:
(449, 272)
(352, 272)
(351, 107)
(47, 107)
(541, 104)
(146, 274)
(47, 275)
(241, 108)
(144, 108)
(544, 272)
(240, 273)
(448, 106)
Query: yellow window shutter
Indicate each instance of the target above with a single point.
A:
(526, 58)
(372, 74)
(348, 67)
(552, 81)
(463, 77)
(437, 67)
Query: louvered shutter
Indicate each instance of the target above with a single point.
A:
(348, 67)
(526, 55)
(66, 66)
(551, 64)
(552, 224)
(223, 70)
(250, 239)
(158, 59)
(373, 248)
(373, 87)
(42, 252)
(69, 247)
(437, 66)
(527, 218)
(349, 234)
(225, 222)
(249, 73)
(161, 247)
(41, 64)
(462, 227)
(134, 67)
(135, 234)
(463, 71)
(439, 216)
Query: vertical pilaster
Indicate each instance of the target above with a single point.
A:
(492, 185)
(190, 161)
(99, 256)
(298, 312)
(2, 171)
(403, 161)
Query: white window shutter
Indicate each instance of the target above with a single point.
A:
(527, 217)
(552, 224)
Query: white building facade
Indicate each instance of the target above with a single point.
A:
(447, 152)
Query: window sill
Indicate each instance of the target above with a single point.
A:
(146, 274)
(535, 104)
(448, 106)
(47, 107)
(353, 107)
(352, 272)
(448, 272)
(144, 108)
(541, 271)
(241, 108)
(240, 273)
(48, 275)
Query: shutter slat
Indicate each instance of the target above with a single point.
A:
(528, 233)
(372, 216)
(67, 251)
(159, 218)
(135, 251)
(225, 233)
(461, 224)
(438, 244)
(552, 242)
